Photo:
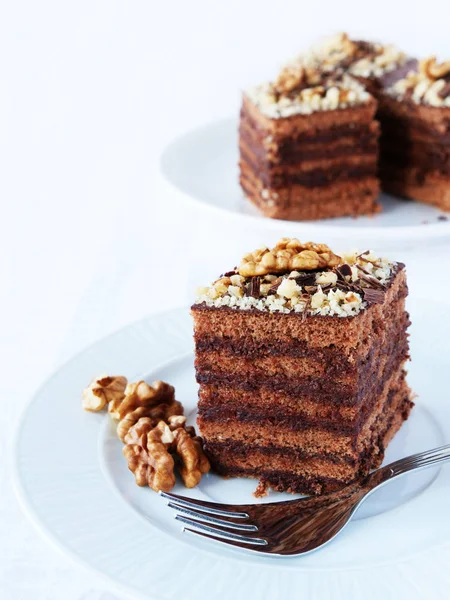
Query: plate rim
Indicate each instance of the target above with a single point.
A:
(433, 232)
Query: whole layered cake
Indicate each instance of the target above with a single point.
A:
(309, 141)
(300, 358)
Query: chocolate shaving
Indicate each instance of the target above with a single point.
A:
(307, 300)
(254, 287)
(344, 270)
(345, 286)
(361, 257)
(445, 91)
(372, 281)
(391, 77)
(306, 279)
(273, 289)
(230, 273)
(373, 296)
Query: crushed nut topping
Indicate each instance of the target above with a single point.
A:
(287, 255)
(102, 390)
(292, 95)
(328, 285)
(363, 59)
(429, 86)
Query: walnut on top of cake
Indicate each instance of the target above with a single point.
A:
(305, 278)
(430, 85)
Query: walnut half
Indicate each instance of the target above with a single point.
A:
(433, 70)
(102, 390)
(150, 460)
(153, 451)
(288, 255)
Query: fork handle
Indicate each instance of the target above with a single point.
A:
(422, 460)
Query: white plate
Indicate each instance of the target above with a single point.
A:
(202, 166)
(73, 482)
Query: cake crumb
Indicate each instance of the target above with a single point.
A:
(262, 489)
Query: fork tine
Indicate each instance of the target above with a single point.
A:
(250, 548)
(221, 533)
(205, 518)
(212, 508)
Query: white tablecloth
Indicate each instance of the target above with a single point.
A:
(90, 93)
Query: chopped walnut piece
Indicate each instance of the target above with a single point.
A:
(431, 69)
(290, 78)
(141, 394)
(161, 412)
(102, 390)
(150, 460)
(288, 255)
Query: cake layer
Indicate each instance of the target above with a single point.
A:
(285, 374)
(276, 407)
(420, 118)
(313, 333)
(263, 358)
(425, 157)
(336, 141)
(415, 151)
(309, 124)
(290, 151)
(310, 174)
(279, 469)
(249, 347)
(314, 438)
(299, 203)
(413, 130)
(429, 187)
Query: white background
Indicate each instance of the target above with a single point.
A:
(90, 93)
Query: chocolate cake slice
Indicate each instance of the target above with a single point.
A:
(309, 146)
(300, 358)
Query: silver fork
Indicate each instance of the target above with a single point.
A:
(291, 527)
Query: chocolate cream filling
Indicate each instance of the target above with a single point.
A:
(312, 178)
(309, 482)
(322, 389)
(331, 358)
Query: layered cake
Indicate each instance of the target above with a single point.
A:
(300, 358)
(309, 141)
(308, 146)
